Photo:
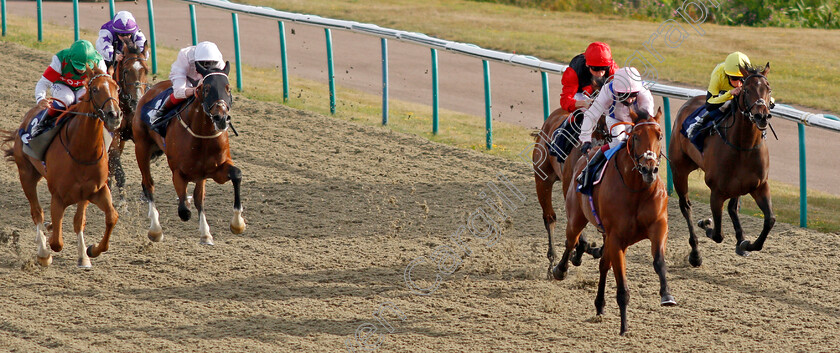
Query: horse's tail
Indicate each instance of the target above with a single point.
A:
(7, 137)
(536, 135)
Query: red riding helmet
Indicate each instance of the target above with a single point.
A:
(598, 54)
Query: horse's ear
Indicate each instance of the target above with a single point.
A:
(227, 68)
(146, 48)
(89, 73)
(766, 69)
(744, 71)
(633, 115)
(658, 115)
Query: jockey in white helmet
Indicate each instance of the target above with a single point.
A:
(205, 54)
(116, 34)
(626, 91)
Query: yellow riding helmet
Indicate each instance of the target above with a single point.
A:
(733, 63)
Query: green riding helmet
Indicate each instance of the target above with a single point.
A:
(83, 54)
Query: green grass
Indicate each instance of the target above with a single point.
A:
(456, 129)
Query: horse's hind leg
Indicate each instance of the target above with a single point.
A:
(762, 198)
(544, 188)
(79, 228)
(603, 268)
(234, 174)
(574, 226)
(732, 208)
(203, 227)
(29, 178)
(143, 155)
(102, 199)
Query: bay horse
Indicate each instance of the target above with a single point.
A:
(735, 161)
(632, 203)
(196, 148)
(74, 167)
(548, 169)
(132, 75)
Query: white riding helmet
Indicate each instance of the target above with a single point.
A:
(627, 80)
(208, 51)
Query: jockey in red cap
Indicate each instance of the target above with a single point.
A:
(577, 79)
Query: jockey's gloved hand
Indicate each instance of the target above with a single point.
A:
(586, 147)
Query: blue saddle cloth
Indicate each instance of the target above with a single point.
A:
(35, 143)
(599, 170)
(155, 104)
(700, 137)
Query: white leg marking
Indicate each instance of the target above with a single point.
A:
(204, 229)
(155, 230)
(84, 260)
(43, 253)
(237, 224)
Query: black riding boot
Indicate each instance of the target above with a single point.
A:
(167, 105)
(48, 120)
(587, 176)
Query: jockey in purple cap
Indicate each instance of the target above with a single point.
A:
(116, 34)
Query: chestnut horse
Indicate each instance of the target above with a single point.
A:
(131, 73)
(548, 169)
(735, 161)
(74, 166)
(632, 204)
(196, 148)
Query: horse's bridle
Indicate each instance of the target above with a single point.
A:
(647, 155)
(759, 102)
(121, 79)
(99, 111)
(220, 102)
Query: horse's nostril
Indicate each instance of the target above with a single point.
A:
(655, 170)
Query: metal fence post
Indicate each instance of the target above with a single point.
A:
(151, 9)
(384, 81)
(75, 20)
(193, 25)
(803, 182)
(283, 61)
(331, 72)
(435, 100)
(488, 110)
(39, 7)
(546, 105)
(236, 50)
(667, 103)
(4, 16)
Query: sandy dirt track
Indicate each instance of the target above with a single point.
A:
(516, 94)
(336, 211)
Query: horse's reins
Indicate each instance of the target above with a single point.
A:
(647, 155)
(204, 108)
(121, 78)
(99, 114)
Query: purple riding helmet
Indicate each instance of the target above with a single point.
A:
(124, 23)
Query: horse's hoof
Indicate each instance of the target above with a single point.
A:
(668, 300)
(44, 261)
(184, 213)
(237, 228)
(84, 263)
(704, 223)
(575, 259)
(189, 202)
(56, 247)
(741, 249)
(694, 259)
(208, 240)
(598, 253)
(155, 236)
(48, 226)
(558, 273)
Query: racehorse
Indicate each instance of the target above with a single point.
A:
(548, 169)
(74, 167)
(131, 73)
(196, 148)
(735, 161)
(628, 205)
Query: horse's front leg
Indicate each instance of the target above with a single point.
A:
(180, 184)
(102, 199)
(79, 227)
(713, 226)
(198, 199)
(733, 208)
(57, 208)
(762, 198)
(575, 222)
(622, 294)
(658, 238)
(142, 151)
(232, 173)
